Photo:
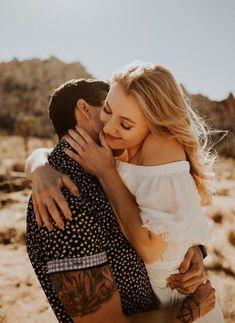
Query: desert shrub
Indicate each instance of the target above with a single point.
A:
(24, 126)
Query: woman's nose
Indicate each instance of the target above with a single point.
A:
(110, 128)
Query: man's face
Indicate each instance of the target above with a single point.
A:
(97, 125)
(88, 117)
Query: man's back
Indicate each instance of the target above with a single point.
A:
(92, 238)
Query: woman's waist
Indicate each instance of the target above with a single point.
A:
(159, 271)
(163, 265)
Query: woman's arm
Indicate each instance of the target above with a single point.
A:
(46, 189)
(98, 161)
(38, 158)
(150, 247)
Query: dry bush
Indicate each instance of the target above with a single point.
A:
(217, 217)
(24, 126)
(18, 167)
(12, 236)
(231, 237)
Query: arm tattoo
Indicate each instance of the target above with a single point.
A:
(185, 314)
(83, 292)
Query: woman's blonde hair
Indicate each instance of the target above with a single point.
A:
(169, 112)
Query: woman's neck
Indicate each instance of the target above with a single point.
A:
(134, 155)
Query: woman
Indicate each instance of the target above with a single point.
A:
(73, 265)
(165, 166)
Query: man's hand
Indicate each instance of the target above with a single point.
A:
(189, 310)
(202, 300)
(48, 198)
(191, 272)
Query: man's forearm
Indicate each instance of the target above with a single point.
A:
(184, 312)
(36, 159)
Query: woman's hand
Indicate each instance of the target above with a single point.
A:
(48, 198)
(95, 159)
(191, 273)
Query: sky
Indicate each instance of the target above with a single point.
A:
(195, 39)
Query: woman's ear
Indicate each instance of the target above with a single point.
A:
(82, 108)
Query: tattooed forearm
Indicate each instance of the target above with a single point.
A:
(185, 314)
(83, 292)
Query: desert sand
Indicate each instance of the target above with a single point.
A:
(21, 298)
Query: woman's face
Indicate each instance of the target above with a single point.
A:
(125, 125)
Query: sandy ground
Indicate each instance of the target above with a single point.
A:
(21, 298)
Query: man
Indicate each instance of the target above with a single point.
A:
(88, 270)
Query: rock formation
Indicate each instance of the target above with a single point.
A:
(220, 116)
(25, 87)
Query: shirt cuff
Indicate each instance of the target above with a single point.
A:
(69, 264)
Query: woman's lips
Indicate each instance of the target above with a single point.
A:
(111, 137)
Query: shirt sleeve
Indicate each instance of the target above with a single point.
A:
(170, 206)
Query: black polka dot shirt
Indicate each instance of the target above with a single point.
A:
(91, 238)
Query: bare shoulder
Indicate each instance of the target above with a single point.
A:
(161, 150)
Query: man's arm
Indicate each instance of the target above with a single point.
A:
(192, 308)
(89, 295)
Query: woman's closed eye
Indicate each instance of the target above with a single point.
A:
(106, 109)
(126, 127)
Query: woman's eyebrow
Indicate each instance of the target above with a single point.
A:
(125, 118)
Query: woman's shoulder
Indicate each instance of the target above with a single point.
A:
(161, 150)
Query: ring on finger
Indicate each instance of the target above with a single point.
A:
(82, 148)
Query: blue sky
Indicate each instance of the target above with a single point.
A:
(195, 39)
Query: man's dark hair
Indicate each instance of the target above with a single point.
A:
(63, 101)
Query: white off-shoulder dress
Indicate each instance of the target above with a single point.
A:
(170, 205)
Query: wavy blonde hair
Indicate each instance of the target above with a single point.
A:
(169, 112)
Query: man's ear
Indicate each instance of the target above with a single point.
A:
(83, 108)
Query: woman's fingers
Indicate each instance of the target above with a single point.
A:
(189, 286)
(187, 283)
(87, 138)
(69, 184)
(55, 214)
(61, 203)
(49, 208)
(45, 216)
(78, 144)
(48, 200)
(194, 271)
(184, 267)
(77, 137)
(64, 207)
(80, 137)
(36, 211)
(103, 141)
(77, 158)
